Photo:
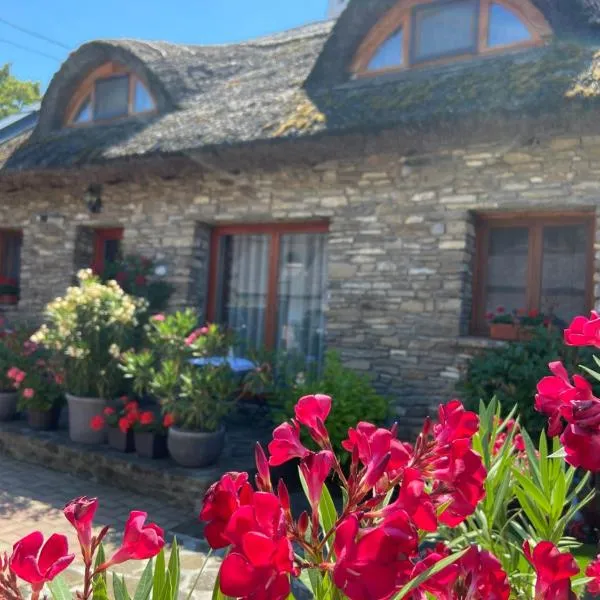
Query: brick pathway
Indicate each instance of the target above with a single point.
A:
(32, 498)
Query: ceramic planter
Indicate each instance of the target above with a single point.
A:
(43, 420)
(81, 412)
(150, 445)
(195, 448)
(504, 331)
(123, 442)
(8, 405)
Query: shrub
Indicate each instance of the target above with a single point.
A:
(511, 373)
(355, 398)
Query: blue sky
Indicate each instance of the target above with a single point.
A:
(73, 22)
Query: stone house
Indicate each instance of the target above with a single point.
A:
(374, 184)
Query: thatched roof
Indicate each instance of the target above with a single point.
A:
(230, 96)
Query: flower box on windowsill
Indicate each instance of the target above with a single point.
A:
(504, 331)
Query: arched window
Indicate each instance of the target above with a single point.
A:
(416, 32)
(109, 92)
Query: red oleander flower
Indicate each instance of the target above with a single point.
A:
(80, 513)
(312, 412)
(477, 575)
(555, 394)
(373, 563)
(263, 475)
(259, 569)
(147, 417)
(454, 422)
(39, 564)
(553, 570)
(124, 424)
(458, 476)
(108, 411)
(413, 499)
(28, 393)
(168, 420)
(583, 331)
(220, 502)
(373, 445)
(518, 441)
(140, 540)
(286, 444)
(582, 447)
(315, 469)
(97, 423)
(593, 571)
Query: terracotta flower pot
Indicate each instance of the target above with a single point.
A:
(504, 331)
(43, 420)
(81, 412)
(195, 448)
(8, 405)
(150, 445)
(123, 442)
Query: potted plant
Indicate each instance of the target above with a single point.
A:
(39, 387)
(10, 347)
(150, 432)
(87, 329)
(503, 325)
(185, 368)
(118, 422)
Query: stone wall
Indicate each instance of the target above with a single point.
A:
(400, 246)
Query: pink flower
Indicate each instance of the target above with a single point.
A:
(286, 444)
(140, 541)
(553, 570)
(583, 331)
(80, 513)
(593, 571)
(263, 475)
(59, 379)
(315, 469)
(28, 393)
(40, 566)
(158, 318)
(312, 412)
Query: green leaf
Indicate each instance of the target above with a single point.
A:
(173, 568)
(316, 581)
(59, 589)
(561, 453)
(532, 456)
(144, 586)
(427, 574)
(100, 558)
(532, 491)
(159, 575)
(327, 513)
(99, 588)
(119, 589)
(217, 593)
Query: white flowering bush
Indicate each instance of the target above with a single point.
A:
(88, 329)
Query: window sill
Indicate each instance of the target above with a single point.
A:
(479, 343)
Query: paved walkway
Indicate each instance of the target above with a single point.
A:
(32, 498)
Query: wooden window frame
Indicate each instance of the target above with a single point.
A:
(401, 16)
(535, 222)
(17, 233)
(101, 236)
(274, 231)
(87, 90)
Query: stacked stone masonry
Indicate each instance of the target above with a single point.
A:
(400, 245)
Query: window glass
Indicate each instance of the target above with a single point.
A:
(444, 29)
(302, 296)
(505, 27)
(111, 98)
(506, 273)
(84, 114)
(564, 271)
(242, 294)
(142, 101)
(389, 54)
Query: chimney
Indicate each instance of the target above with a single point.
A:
(336, 8)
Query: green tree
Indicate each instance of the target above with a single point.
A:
(14, 93)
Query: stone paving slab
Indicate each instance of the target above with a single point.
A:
(32, 498)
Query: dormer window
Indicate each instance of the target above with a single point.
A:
(110, 92)
(416, 33)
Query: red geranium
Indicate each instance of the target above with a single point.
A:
(97, 423)
(168, 420)
(147, 417)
